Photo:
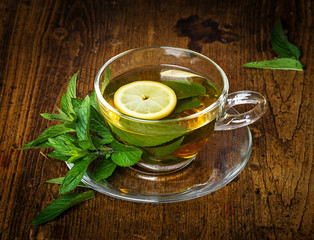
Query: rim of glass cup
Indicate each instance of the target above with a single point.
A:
(220, 99)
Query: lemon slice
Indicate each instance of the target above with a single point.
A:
(145, 100)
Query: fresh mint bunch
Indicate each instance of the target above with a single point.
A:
(287, 52)
(80, 138)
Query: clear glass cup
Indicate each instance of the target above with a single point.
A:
(171, 144)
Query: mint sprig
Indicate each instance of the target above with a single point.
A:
(287, 52)
(80, 138)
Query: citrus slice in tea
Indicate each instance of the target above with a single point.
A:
(145, 100)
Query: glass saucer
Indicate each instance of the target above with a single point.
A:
(221, 160)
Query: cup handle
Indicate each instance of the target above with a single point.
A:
(228, 121)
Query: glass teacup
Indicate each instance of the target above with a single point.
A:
(172, 143)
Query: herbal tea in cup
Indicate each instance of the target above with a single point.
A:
(167, 102)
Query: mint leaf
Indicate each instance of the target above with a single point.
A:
(49, 133)
(77, 156)
(279, 63)
(142, 140)
(66, 137)
(150, 134)
(82, 127)
(164, 150)
(185, 89)
(83, 122)
(185, 104)
(71, 93)
(124, 155)
(96, 115)
(85, 144)
(60, 205)
(94, 101)
(71, 90)
(97, 142)
(64, 104)
(57, 117)
(72, 145)
(154, 130)
(55, 154)
(76, 102)
(281, 45)
(59, 146)
(104, 169)
(106, 80)
(98, 125)
(76, 173)
(60, 180)
(100, 143)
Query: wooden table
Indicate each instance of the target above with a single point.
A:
(43, 43)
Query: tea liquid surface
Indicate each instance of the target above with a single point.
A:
(161, 74)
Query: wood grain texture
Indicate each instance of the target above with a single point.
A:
(43, 43)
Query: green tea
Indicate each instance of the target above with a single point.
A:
(166, 142)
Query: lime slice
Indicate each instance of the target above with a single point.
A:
(145, 100)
